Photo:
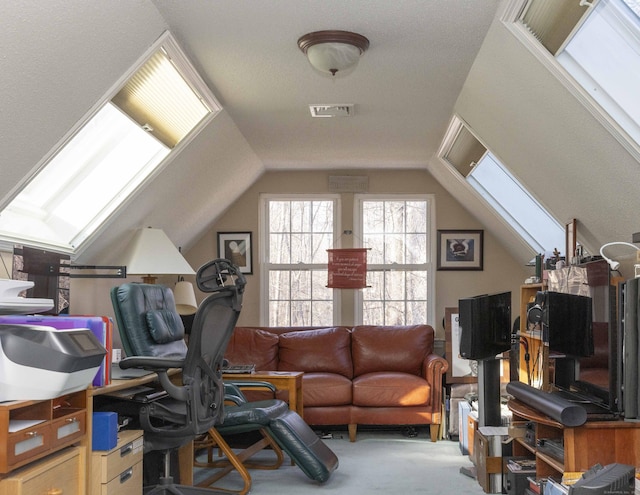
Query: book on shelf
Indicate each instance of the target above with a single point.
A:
(521, 465)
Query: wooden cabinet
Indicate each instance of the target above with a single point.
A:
(603, 442)
(30, 430)
(60, 473)
(119, 470)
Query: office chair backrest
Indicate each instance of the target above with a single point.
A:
(213, 325)
(148, 322)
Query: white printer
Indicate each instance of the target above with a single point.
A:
(41, 362)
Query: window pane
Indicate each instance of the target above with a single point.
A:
(321, 242)
(322, 313)
(416, 248)
(301, 285)
(514, 203)
(396, 231)
(279, 248)
(604, 57)
(279, 215)
(304, 233)
(394, 285)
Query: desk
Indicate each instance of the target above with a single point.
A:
(185, 454)
(291, 381)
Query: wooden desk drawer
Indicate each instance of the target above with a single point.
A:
(129, 482)
(119, 469)
(58, 473)
(69, 428)
(25, 444)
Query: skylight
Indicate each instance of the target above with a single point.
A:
(595, 52)
(507, 197)
(113, 152)
(604, 57)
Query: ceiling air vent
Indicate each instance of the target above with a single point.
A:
(331, 110)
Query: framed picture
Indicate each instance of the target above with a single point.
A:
(460, 370)
(460, 249)
(236, 247)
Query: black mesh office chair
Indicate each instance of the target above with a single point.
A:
(152, 337)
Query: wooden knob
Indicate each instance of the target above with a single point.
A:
(55, 491)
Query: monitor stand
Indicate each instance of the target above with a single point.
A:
(489, 413)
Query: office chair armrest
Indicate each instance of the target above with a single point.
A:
(151, 363)
(233, 393)
(250, 384)
(161, 366)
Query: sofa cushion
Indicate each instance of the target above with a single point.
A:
(390, 348)
(326, 389)
(252, 346)
(389, 389)
(318, 350)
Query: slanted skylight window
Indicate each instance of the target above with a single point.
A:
(604, 57)
(597, 43)
(111, 154)
(512, 201)
(506, 196)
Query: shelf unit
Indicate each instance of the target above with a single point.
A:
(43, 445)
(30, 430)
(603, 442)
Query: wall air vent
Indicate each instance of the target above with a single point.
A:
(331, 110)
(348, 183)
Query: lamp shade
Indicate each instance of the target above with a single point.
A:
(185, 298)
(151, 252)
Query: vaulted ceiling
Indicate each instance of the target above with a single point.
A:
(427, 60)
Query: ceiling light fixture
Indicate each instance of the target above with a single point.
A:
(333, 51)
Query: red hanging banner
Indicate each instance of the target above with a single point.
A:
(347, 268)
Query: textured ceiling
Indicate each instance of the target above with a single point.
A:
(403, 89)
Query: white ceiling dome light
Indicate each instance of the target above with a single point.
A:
(333, 51)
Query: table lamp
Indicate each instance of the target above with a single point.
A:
(151, 253)
(185, 297)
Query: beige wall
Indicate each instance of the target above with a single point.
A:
(501, 272)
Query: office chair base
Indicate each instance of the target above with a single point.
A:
(166, 487)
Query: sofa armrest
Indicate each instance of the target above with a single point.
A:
(433, 370)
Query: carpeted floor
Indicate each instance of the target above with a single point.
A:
(380, 461)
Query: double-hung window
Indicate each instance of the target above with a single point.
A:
(398, 231)
(296, 233)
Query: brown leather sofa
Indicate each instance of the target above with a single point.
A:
(362, 375)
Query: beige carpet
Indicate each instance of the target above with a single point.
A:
(378, 462)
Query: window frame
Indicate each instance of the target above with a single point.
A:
(511, 18)
(126, 194)
(266, 266)
(431, 245)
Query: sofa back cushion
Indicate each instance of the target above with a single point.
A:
(390, 348)
(317, 350)
(253, 346)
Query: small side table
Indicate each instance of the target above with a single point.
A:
(282, 380)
